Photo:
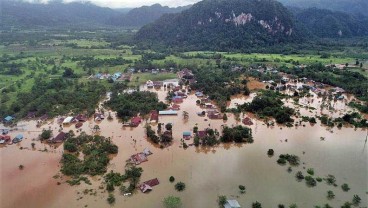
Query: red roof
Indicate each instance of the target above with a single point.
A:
(136, 120)
(201, 134)
(177, 100)
(154, 116)
(175, 107)
(247, 121)
(152, 182)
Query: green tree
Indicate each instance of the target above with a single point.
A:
(356, 200)
(222, 200)
(111, 199)
(180, 186)
(171, 179)
(256, 205)
(242, 189)
(330, 194)
(172, 202)
(345, 187)
(46, 134)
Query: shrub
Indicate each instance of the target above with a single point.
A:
(180, 186)
(345, 187)
(111, 199)
(310, 171)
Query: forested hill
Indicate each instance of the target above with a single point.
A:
(53, 14)
(328, 24)
(348, 6)
(143, 15)
(224, 24)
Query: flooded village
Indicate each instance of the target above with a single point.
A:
(30, 168)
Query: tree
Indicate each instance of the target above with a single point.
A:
(96, 129)
(361, 65)
(224, 117)
(345, 187)
(172, 202)
(270, 152)
(356, 200)
(242, 189)
(222, 200)
(180, 186)
(21, 167)
(256, 205)
(330, 194)
(111, 199)
(168, 126)
(299, 175)
(171, 179)
(33, 145)
(46, 134)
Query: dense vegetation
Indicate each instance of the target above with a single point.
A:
(128, 105)
(56, 97)
(219, 84)
(144, 15)
(328, 24)
(269, 104)
(96, 151)
(223, 25)
(237, 134)
(349, 6)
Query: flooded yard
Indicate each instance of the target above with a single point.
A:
(207, 172)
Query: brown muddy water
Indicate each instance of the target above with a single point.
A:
(207, 172)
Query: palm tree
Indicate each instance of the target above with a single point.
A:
(96, 129)
(356, 200)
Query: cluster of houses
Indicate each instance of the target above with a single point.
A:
(77, 120)
(118, 76)
(138, 159)
(6, 139)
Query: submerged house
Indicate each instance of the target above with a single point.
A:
(135, 121)
(187, 135)
(168, 113)
(147, 185)
(4, 139)
(138, 158)
(68, 120)
(247, 121)
(154, 116)
(8, 119)
(232, 203)
(149, 84)
(59, 138)
(18, 138)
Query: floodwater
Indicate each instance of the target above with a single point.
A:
(207, 172)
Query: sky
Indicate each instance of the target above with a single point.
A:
(130, 3)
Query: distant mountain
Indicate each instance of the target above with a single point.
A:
(328, 24)
(349, 6)
(224, 24)
(143, 15)
(53, 14)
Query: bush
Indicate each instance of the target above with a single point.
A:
(345, 187)
(111, 199)
(256, 205)
(310, 181)
(242, 189)
(172, 202)
(171, 179)
(222, 200)
(180, 186)
(299, 175)
(310, 171)
(270, 152)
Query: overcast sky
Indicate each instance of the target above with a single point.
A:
(131, 3)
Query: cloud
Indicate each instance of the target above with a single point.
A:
(128, 3)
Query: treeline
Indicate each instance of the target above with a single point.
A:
(128, 105)
(56, 97)
(91, 62)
